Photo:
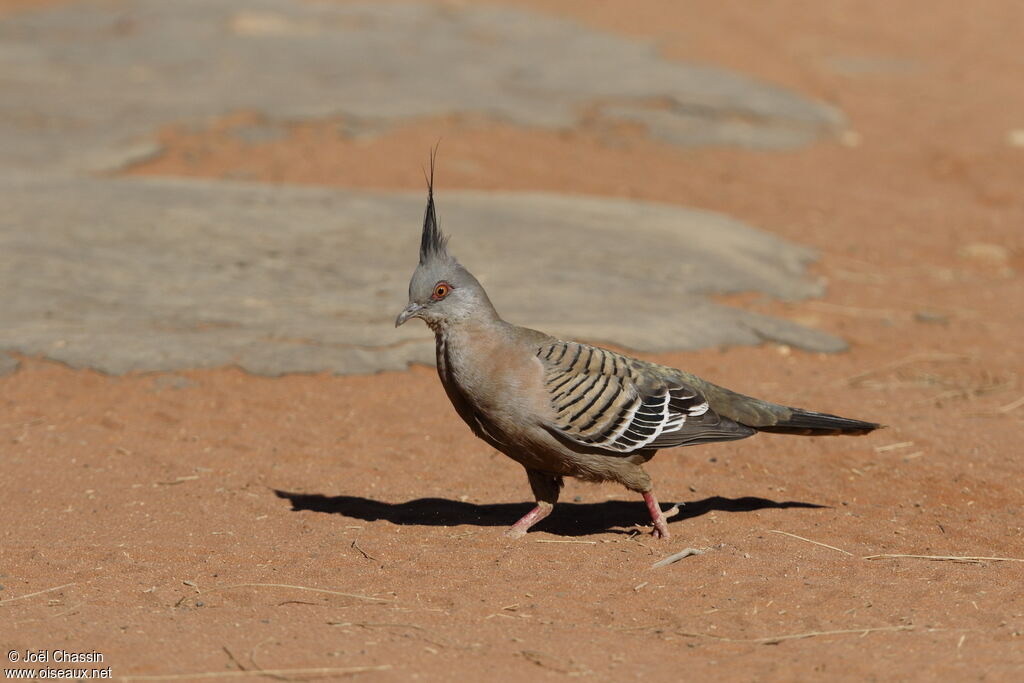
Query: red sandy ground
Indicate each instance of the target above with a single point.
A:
(153, 499)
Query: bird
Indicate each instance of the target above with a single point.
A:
(565, 408)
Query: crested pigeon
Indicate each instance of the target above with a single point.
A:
(564, 408)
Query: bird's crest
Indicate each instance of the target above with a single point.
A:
(433, 243)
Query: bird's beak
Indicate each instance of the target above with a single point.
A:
(411, 311)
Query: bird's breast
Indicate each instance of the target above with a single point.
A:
(491, 381)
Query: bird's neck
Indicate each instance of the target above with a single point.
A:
(463, 330)
(454, 347)
(460, 341)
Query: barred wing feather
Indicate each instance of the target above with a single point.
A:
(607, 401)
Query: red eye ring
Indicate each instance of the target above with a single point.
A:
(441, 290)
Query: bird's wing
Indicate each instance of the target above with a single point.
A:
(607, 401)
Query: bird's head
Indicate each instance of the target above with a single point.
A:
(441, 291)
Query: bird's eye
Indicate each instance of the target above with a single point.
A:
(441, 290)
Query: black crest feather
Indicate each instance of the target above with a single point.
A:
(433, 243)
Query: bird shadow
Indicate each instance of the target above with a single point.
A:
(569, 519)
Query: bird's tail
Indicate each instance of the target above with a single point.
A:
(809, 423)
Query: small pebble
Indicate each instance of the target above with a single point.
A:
(850, 138)
(930, 317)
(985, 252)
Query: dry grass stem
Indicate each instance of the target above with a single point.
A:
(232, 657)
(29, 595)
(370, 624)
(771, 640)
(961, 381)
(363, 552)
(823, 545)
(68, 611)
(906, 360)
(549, 662)
(957, 377)
(322, 671)
(893, 446)
(178, 480)
(259, 669)
(299, 588)
(672, 559)
(947, 558)
(645, 627)
(969, 392)
(1001, 410)
(1013, 405)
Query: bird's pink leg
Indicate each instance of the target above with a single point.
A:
(657, 516)
(519, 529)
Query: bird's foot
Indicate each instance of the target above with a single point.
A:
(519, 529)
(658, 517)
(661, 530)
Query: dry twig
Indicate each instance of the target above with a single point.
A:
(672, 559)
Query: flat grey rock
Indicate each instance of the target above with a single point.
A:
(131, 274)
(124, 275)
(8, 364)
(85, 85)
